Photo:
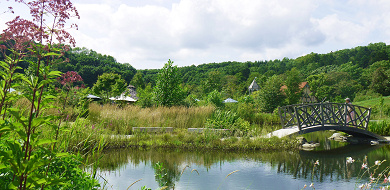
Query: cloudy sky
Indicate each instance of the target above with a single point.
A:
(146, 33)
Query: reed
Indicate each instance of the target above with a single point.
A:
(121, 120)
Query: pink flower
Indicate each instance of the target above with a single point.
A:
(387, 179)
(364, 166)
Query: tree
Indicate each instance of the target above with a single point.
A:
(293, 92)
(380, 82)
(145, 96)
(109, 85)
(213, 82)
(168, 91)
(138, 80)
(270, 96)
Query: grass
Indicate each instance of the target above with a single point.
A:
(121, 120)
(373, 102)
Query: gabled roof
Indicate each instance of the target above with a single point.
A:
(301, 86)
(254, 85)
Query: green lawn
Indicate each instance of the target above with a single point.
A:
(373, 102)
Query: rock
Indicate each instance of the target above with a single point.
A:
(310, 145)
(301, 140)
(374, 142)
(337, 137)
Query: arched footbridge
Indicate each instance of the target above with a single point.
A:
(307, 118)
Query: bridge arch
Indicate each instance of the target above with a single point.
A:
(307, 118)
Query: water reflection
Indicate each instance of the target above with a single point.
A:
(279, 170)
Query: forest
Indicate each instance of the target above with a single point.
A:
(360, 72)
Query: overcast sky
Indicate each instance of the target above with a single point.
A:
(146, 33)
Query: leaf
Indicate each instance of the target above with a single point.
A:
(2, 166)
(51, 54)
(62, 154)
(45, 141)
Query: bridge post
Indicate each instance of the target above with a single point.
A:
(322, 114)
(368, 119)
(345, 115)
(297, 116)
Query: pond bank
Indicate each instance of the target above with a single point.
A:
(200, 141)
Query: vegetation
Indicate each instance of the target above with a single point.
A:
(167, 91)
(109, 85)
(47, 123)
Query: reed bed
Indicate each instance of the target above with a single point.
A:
(121, 120)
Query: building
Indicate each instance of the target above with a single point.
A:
(306, 93)
(253, 87)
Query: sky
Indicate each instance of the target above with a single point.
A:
(147, 33)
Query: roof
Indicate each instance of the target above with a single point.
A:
(229, 100)
(93, 96)
(254, 85)
(302, 85)
(123, 98)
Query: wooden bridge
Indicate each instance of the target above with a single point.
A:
(306, 118)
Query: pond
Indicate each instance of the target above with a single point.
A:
(237, 170)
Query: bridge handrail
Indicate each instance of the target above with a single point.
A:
(323, 114)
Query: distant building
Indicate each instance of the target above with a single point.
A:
(253, 87)
(131, 91)
(306, 93)
(229, 100)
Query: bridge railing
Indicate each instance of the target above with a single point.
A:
(324, 114)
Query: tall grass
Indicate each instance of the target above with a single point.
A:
(121, 120)
(380, 127)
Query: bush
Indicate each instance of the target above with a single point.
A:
(366, 95)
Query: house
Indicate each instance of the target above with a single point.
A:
(131, 91)
(253, 87)
(129, 95)
(306, 93)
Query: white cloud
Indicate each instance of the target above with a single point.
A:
(149, 32)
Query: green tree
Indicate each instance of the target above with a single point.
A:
(168, 91)
(380, 82)
(270, 96)
(215, 98)
(213, 82)
(138, 80)
(292, 82)
(145, 96)
(109, 85)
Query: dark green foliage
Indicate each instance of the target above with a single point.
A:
(215, 98)
(292, 90)
(145, 97)
(90, 64)
(270, 95)
(109, 85)
(138, 81)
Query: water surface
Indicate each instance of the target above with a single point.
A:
(256, 169)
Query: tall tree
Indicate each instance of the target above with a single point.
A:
(292, 82)
(380, 82)
(270, 96)
(109, 85)
(138, 80)
(168, 91)
(213, 82)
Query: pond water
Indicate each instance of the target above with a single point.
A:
(249, 170)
